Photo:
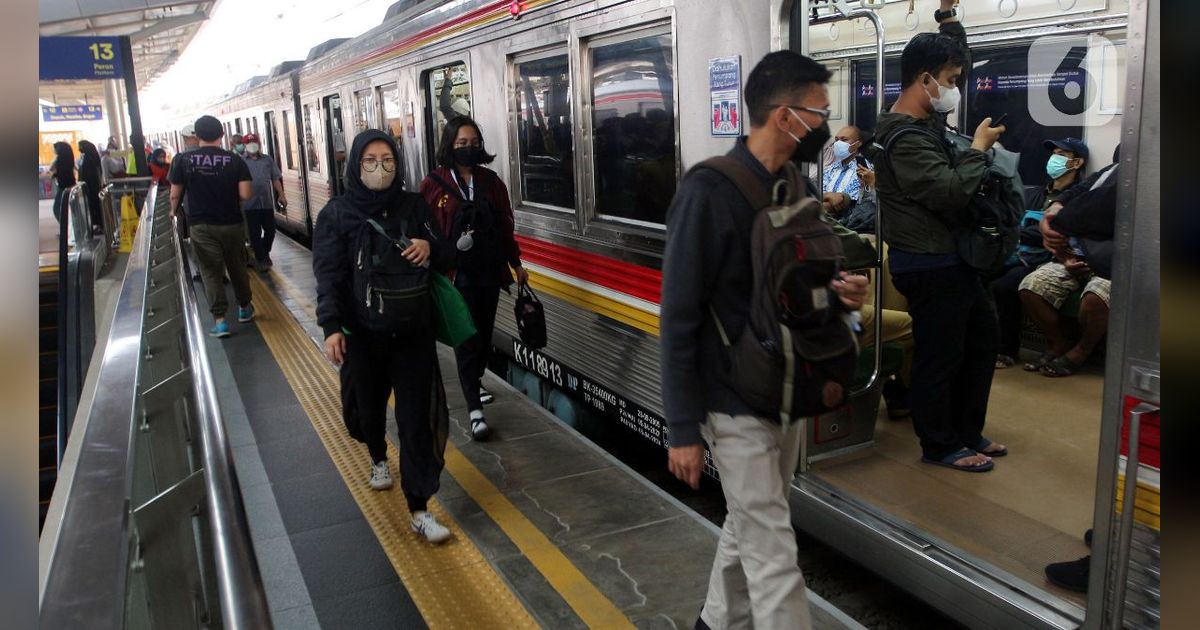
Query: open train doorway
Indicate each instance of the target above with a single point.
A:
(335, 141)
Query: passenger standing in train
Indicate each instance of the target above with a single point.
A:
(472, 207)
(215, 181)
(922, 194)
(260, 208)
(62, 171)
(91, 172)
(707, 272)
(377, 360)
(1063, 169)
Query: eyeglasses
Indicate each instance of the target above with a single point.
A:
(823, 113)
(371, 164)
(462, 144)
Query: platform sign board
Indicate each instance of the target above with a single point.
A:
(71, 113)
(79, 58)
(725, 92)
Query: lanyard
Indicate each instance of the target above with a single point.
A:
(469, 190)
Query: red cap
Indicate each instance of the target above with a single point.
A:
(250, 137)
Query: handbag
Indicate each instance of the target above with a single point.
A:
(531, 318)
(452, 319)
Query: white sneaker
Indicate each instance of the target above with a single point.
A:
(485, 396)
(381, 478)
(479, 427)
(425, 524)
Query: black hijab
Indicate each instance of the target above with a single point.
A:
(90, 169)
(357, 195)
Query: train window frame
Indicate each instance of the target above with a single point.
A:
(516, 191)
(289, 146)
(425, 88)
(310, 136)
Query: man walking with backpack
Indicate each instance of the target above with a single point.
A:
(709, 269)
(925, 199)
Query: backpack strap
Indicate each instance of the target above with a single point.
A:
(895, 136)
(402, 240)
(453, 190)
(741, 177)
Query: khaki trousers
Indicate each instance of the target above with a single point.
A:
(755, 577)
(220, 250)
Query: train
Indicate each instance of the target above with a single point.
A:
(595, 110)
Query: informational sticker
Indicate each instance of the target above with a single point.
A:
(74, 58)
(725, 92)
(68, 113)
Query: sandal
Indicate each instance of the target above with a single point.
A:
(984, 443)
(1037, 364)
(1003, 361)
(1060, 367)
(948, 461)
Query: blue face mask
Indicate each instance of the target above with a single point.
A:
(1056, 166)
(841, 149)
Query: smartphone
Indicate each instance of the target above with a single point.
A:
(862, 161)
(999, 121)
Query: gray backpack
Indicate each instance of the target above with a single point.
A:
(796, 355)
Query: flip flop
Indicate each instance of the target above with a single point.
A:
(982, 449)
(948, 461)
(1060, 367)
(1004, 361)
(1037, 364)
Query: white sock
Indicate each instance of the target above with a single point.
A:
(477, 415)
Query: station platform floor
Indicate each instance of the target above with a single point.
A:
(548, 529)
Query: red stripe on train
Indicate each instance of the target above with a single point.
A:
(1149, 435)
(640, 282)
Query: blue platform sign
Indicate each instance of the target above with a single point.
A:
(76, 58)
(69, 113)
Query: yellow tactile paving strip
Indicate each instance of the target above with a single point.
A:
(452, 585)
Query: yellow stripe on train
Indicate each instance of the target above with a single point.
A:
(596, 303)
(1147, 508)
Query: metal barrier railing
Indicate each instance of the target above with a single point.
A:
(147, 527)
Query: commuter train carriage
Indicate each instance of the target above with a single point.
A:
(596, 109)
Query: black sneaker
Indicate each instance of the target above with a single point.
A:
(1072, 576)
(895, 396)
(480, 430)
(1087, 538)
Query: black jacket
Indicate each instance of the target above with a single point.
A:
(707, 262)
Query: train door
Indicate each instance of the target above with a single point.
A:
(272, 139)
(979, 546)
(387, 99)
(447, 91)
(335, 142)
(364, 111)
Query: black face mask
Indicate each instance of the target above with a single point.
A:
(809, 147)
(469, 156)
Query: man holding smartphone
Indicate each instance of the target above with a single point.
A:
(850, 177)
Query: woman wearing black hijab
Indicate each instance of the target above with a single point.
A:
(90, 173)
(372, 247)
(63, 172)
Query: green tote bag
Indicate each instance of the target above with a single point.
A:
(451, 317)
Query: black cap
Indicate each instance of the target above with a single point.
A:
(208, 128)
(1074, 145)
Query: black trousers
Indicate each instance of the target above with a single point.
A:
(474, 353)
(954, 330)
(261, 224)
(378, 365)
(1006, 295)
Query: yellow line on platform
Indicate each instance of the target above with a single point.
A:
(451, 593)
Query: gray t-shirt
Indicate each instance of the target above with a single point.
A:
(262, 172)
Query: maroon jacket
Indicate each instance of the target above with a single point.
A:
(488, 183)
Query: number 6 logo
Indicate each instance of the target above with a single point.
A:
(1064, 85)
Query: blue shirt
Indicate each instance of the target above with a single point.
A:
(843, 178)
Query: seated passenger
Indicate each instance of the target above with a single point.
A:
(849, 182)
(1078, 230)
(1063, 169)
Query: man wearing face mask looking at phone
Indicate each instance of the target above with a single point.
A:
(924, 197)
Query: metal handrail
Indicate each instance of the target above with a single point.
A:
(243, 599)
(93, 539)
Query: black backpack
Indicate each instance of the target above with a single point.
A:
(796, 355)
(391, 294)
(995, 211)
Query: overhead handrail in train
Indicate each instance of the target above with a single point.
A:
(147, 526)
(843, 12)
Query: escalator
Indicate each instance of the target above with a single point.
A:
(47, 387)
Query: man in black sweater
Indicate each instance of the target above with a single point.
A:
(707, 272)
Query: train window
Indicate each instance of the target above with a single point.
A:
(633, 127)
(314, 162)
(389, 107)
(254, 123)
(364, 103)
(999, 83)
(449, 93)
(289, 152)
(545, 144)
(237, 125)
(863, 113)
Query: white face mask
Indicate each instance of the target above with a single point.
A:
(947, 98)
(842, 149)
(381, 179)
(253, 147)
